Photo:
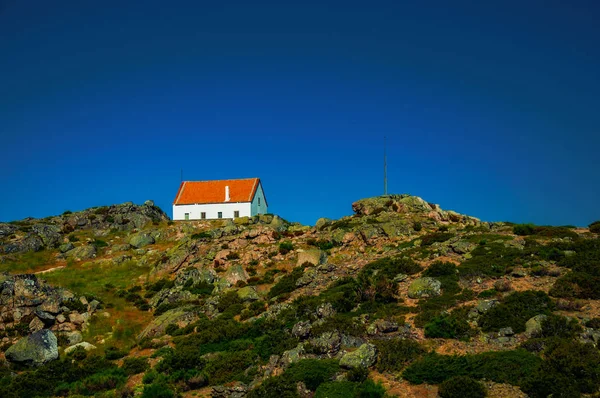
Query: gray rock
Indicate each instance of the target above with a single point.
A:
(74, 337)
(507, 331)
(85, 345)
(327, 343)
(325, 310)
(311, 256)
(248, 293)
(34, 350)
(485, 305)
(84, 252)
(533, 326)
(363, 357)
(424, 287)
(301, 329)
(141, 239)
(65, 247)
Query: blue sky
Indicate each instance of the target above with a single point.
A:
(489, 110)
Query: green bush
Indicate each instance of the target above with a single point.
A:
(462, 387)
(569, 368)
(449, 326)
(515, 310)
(107, 380)
(595, 227)
(436, 237)
(577, 285)
(135, 365)
(201, 235)
(285, 247)
(312, 372)
(287, 283)
(336, 389)
(439, 268)
(157, 391)
(112, 353)
(492, 259)
(510, 367)
(524, 229)
(394, 355)
(417, 226)
(593, 323)
(274, 387)
(560, 326)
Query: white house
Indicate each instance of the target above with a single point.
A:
(206, 200)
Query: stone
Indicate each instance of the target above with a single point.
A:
(85, 345)
(533, 326)
(235, 273)
(327, 343)
(424, 287)
(77, 318)
(60, 318)
(462, 247)
(181, 317)
(149, 203)
(65, 247)
(322, 222)
(485, 305)
(507, 331)
(385, 326)
(74, 337)
(34, 350)
(93, 305)
(36, 324)
(399, 278)
(141, 239)
(292, 356)
(84, 252)
(311, 256)
(301, 329)
(364, 357)
(307, 277)
(325, 310)
(248, 293)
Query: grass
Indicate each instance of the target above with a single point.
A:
(27, 262)
(125, 321)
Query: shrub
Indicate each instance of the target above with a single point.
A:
(462, 387)
(595, 227)
(67, 212)
(287, 283)
(99, 243)
(449, 326)
(232, 256)
(593, 323)
(501, 366)
(201, 235)
(577, 285)
(524, 229)
(394, 355)
(435, 237)
(227, 300)
(72, 238)
(312, 372)
(113, 353)
(516, 309)
(417, 226)
(439, 268)
(560, 326)
(274, 387)
(492, 259)
(135, 365)
(443, 228)
(157, 391)
(285, 247)
(336, 389)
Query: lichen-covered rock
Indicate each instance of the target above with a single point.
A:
(424, 287)
(307, 277)
(181, 317)
(311, 256)
(235, 273)
(65, 247)
(141, 239)
(363, 357)
(34, 350)
(533, 326)
(462, 247)
(84, 252)
(248, 293)
(85, 345)
(327, 343)
(302, 329)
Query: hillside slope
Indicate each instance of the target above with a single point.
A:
(401, 298)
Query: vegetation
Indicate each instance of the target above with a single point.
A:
(462, 387)
(516, 309)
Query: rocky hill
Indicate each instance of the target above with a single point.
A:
(400, 299)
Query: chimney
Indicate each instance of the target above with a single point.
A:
(227, 198)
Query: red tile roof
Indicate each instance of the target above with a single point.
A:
(203, 192)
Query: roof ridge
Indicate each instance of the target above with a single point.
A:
(229, 179)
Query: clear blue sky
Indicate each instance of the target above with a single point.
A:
(490, 110)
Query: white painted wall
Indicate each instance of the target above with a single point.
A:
(212, 210)
(262, 208)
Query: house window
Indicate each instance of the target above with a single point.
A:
(187, 216)
(236, 213)
(220, 214)
(259, 201)
(203, 215)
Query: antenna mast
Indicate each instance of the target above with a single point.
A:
(385, 192)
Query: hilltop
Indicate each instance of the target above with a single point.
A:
(401, 298)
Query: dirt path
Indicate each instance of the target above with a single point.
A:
(50, 270)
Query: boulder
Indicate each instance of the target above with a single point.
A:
(50, 234)
(363, 357)
(235, 273)
(462, 247)
(84, 252)
(248, 293)
(327, 343)
(307, 277)
(85, 345)
(533, 326)
(301, 329)
(181, 317)
(424, 287)
(34, 350)
(141, 239)
(65, 247)
(311, 256)
(74, 337)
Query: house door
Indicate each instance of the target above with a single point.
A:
(187, 216)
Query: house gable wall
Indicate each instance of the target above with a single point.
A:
(211, 210)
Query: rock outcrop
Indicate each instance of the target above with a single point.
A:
(34, 350)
